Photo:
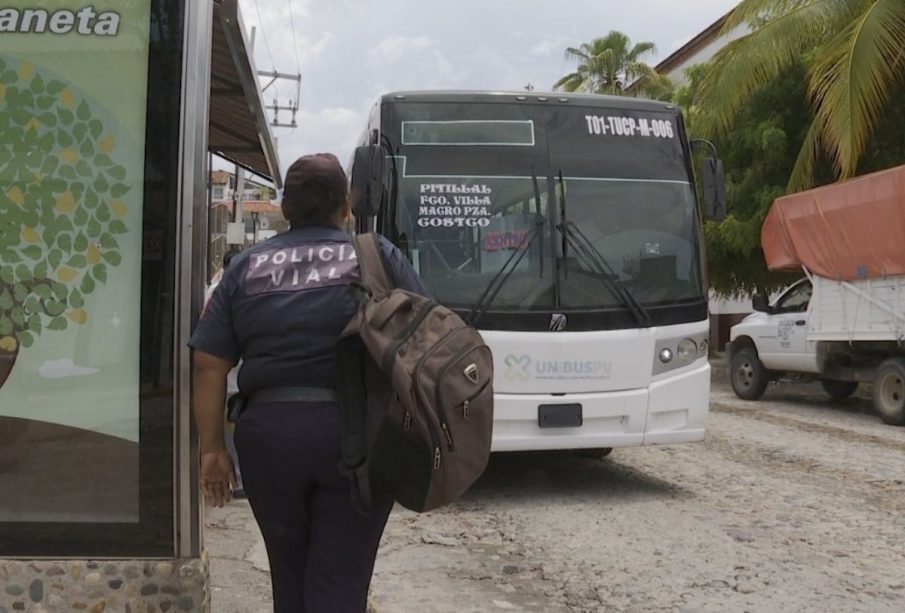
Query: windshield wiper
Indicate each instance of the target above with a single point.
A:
(499, 279)
(563, 219)
(539, 222)
(594, 260)
(597, 264)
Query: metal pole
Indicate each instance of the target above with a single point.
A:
(190, 262)
(240, 195)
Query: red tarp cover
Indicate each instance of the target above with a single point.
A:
(850, 230)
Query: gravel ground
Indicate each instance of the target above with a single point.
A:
(792, 503)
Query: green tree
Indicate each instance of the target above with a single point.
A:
(858, 65)
(758, 156)
(610, 64)
(61, 206)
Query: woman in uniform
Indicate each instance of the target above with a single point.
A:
(280, 308)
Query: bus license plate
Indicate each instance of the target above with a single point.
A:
(559, 416)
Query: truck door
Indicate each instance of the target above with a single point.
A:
(785, 346)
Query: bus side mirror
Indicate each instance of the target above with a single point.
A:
(713, 184)
(366, 191)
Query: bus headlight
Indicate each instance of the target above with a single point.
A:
(679, 352)
(687, 349)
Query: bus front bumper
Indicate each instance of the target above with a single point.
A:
(673, 409)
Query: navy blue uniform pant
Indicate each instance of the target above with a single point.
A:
(321, 550)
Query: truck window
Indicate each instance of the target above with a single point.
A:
(796, 299)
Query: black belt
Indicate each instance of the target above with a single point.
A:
(237, 403)
(294, 394)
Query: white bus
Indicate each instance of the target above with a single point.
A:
(574, 217)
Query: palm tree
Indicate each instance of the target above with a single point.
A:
(612, 65)
(856, 59)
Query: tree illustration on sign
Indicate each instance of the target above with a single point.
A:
(61, 207)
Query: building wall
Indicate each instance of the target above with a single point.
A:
(704, 54)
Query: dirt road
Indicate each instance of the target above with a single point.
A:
(791, 504)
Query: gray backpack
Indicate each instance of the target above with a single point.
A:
(416, 390)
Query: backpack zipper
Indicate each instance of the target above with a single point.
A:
(441, 411)
(472, 397)
(431, 428)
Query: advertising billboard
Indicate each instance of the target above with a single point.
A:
(73, 104)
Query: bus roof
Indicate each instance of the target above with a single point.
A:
(526, 97)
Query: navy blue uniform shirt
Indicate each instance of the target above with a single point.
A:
(283, 303)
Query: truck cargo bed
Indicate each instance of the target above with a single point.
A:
(860, 310)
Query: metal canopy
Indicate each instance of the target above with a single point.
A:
(239, 130)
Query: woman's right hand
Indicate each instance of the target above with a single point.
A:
(218, 477)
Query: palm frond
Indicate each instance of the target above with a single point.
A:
(745, 64)
(802, 176)
(853, 78)
(751, 11)
(641, 49)
(615, 40)
(572, 53)
(564, 81)
(576, 83)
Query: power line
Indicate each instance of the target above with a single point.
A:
(264, 36)
(295, 43)
(275, 76)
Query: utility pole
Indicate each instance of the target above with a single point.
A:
(235, 234)
(276, 107)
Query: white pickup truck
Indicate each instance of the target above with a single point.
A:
(844, 323)
(840, 332)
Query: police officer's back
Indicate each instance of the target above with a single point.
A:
(281, 307)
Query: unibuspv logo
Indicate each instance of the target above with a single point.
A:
(517, 367)
(524, 367)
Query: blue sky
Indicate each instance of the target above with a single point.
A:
(349, 52)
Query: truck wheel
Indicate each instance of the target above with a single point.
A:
(889, 391)
(748, 376)
(839, 390)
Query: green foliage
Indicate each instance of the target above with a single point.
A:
(612, 65)
(850, 80)
(59, 204)
(758, 155)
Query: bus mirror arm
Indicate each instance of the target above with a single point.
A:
(713, 183)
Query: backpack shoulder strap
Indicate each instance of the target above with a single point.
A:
(374, 274)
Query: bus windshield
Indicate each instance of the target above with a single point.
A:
(469, 191)
(460, 232)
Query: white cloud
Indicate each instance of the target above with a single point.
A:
(546, 47)
(331, 129)
(395, 48)
(351, 51)
(60, 369)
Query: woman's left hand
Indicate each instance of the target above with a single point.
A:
(218, 477)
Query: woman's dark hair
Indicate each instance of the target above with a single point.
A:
(314, 191)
